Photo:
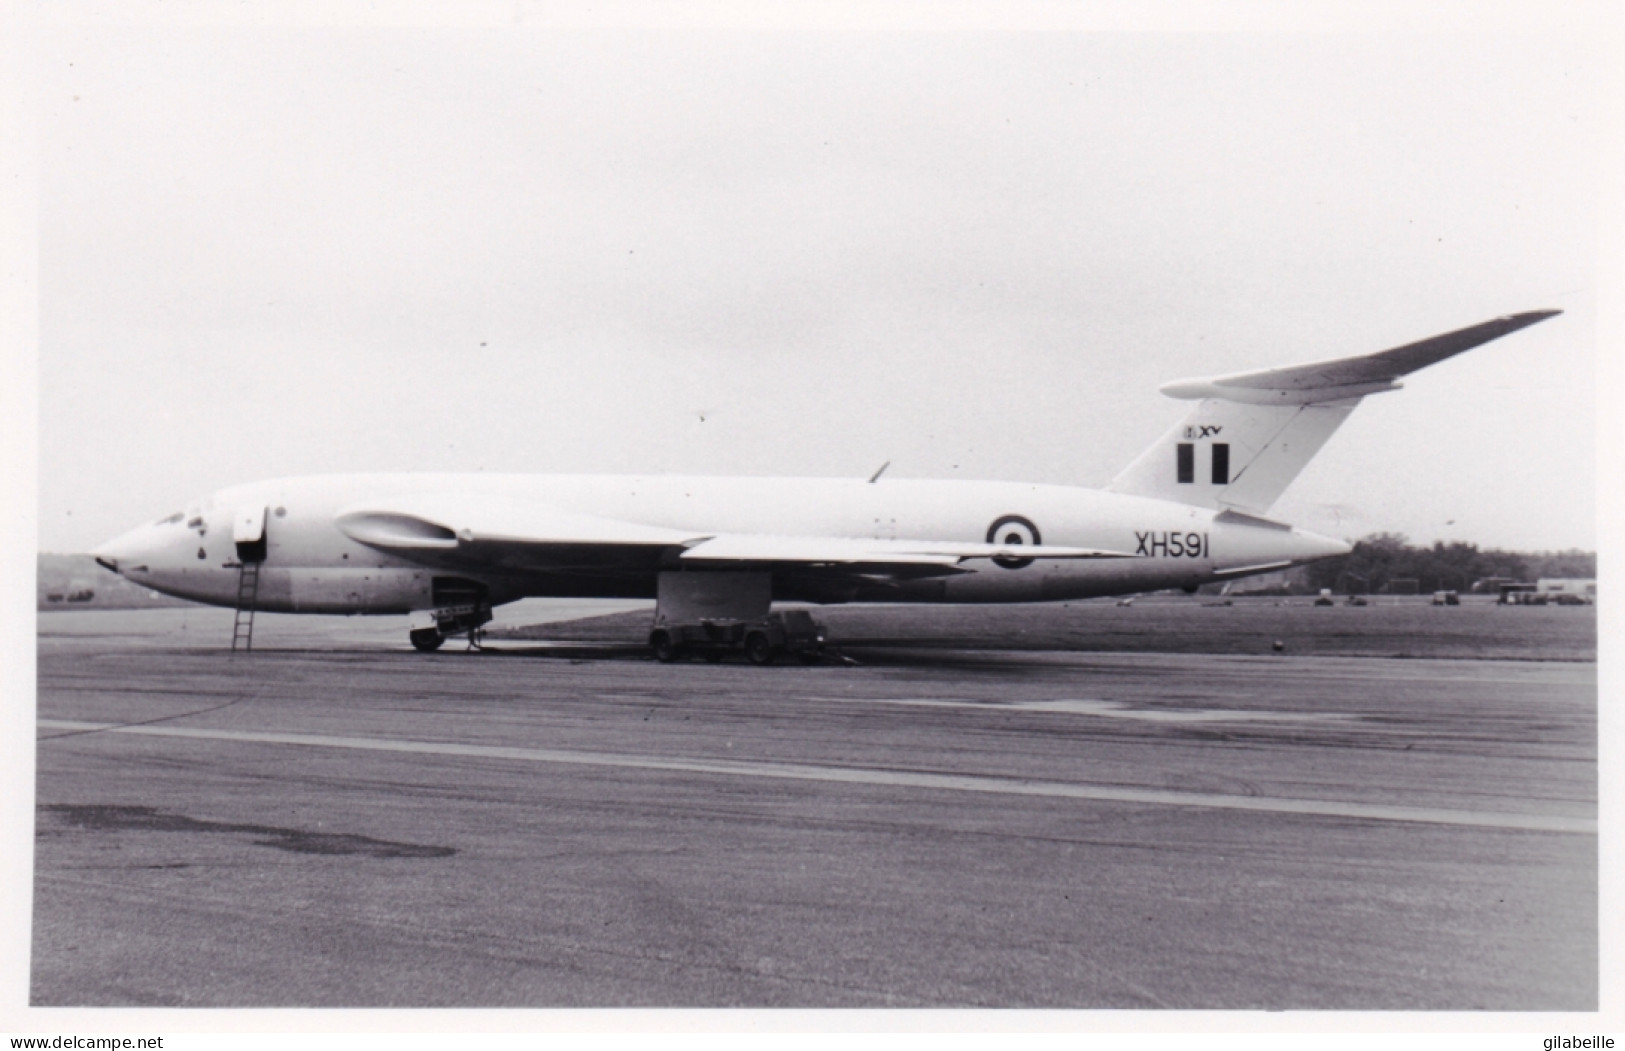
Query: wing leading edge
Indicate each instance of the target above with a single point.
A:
(755, 547)
(446, 530)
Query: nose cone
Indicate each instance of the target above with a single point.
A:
(134, 552)
(110, 555)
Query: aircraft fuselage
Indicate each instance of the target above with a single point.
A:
(311, 566)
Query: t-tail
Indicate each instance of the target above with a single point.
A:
(1251, 433)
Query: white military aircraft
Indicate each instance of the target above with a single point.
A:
(1193, 509)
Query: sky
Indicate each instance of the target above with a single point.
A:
(971, 253)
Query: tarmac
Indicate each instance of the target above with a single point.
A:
(335, 820)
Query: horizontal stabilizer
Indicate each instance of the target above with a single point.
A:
(1251, 433)
(1350, 377)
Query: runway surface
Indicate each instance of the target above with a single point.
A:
(335, 821)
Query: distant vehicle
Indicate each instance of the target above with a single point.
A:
(1192, 509)
(1568, 591)
(1446, 598)
(1325, 598)
(1549, 592)
(1519, 594)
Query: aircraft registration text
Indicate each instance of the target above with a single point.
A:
(1171, 545)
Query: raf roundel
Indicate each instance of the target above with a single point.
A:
(1010, 531)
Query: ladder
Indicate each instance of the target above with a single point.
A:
(248, 589)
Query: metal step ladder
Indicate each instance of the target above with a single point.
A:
(248, 589)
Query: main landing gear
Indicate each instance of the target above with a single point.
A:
(426, 639)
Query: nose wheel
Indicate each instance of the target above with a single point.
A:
(427, 640)
(433, 627)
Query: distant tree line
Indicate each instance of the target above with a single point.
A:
(1384, 562)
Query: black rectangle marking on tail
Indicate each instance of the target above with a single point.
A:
(1187, 462)
(1221, 463)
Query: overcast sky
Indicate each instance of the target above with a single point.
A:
(974, 254)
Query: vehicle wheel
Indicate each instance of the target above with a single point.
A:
(758, 648)
(664, 646)
(426, 639)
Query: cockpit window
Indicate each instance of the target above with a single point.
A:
(171, 520)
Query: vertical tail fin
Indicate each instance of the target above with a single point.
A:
(1226, 454)
(1252, 433)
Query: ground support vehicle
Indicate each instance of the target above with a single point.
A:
(761, 639)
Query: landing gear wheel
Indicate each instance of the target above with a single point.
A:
(426, 639)
(665, 647)
(758, 648)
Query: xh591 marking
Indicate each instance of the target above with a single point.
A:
(718, 552)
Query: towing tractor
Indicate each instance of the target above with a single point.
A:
(761, 640)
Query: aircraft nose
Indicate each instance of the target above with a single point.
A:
(132, 552)
(113, 555)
